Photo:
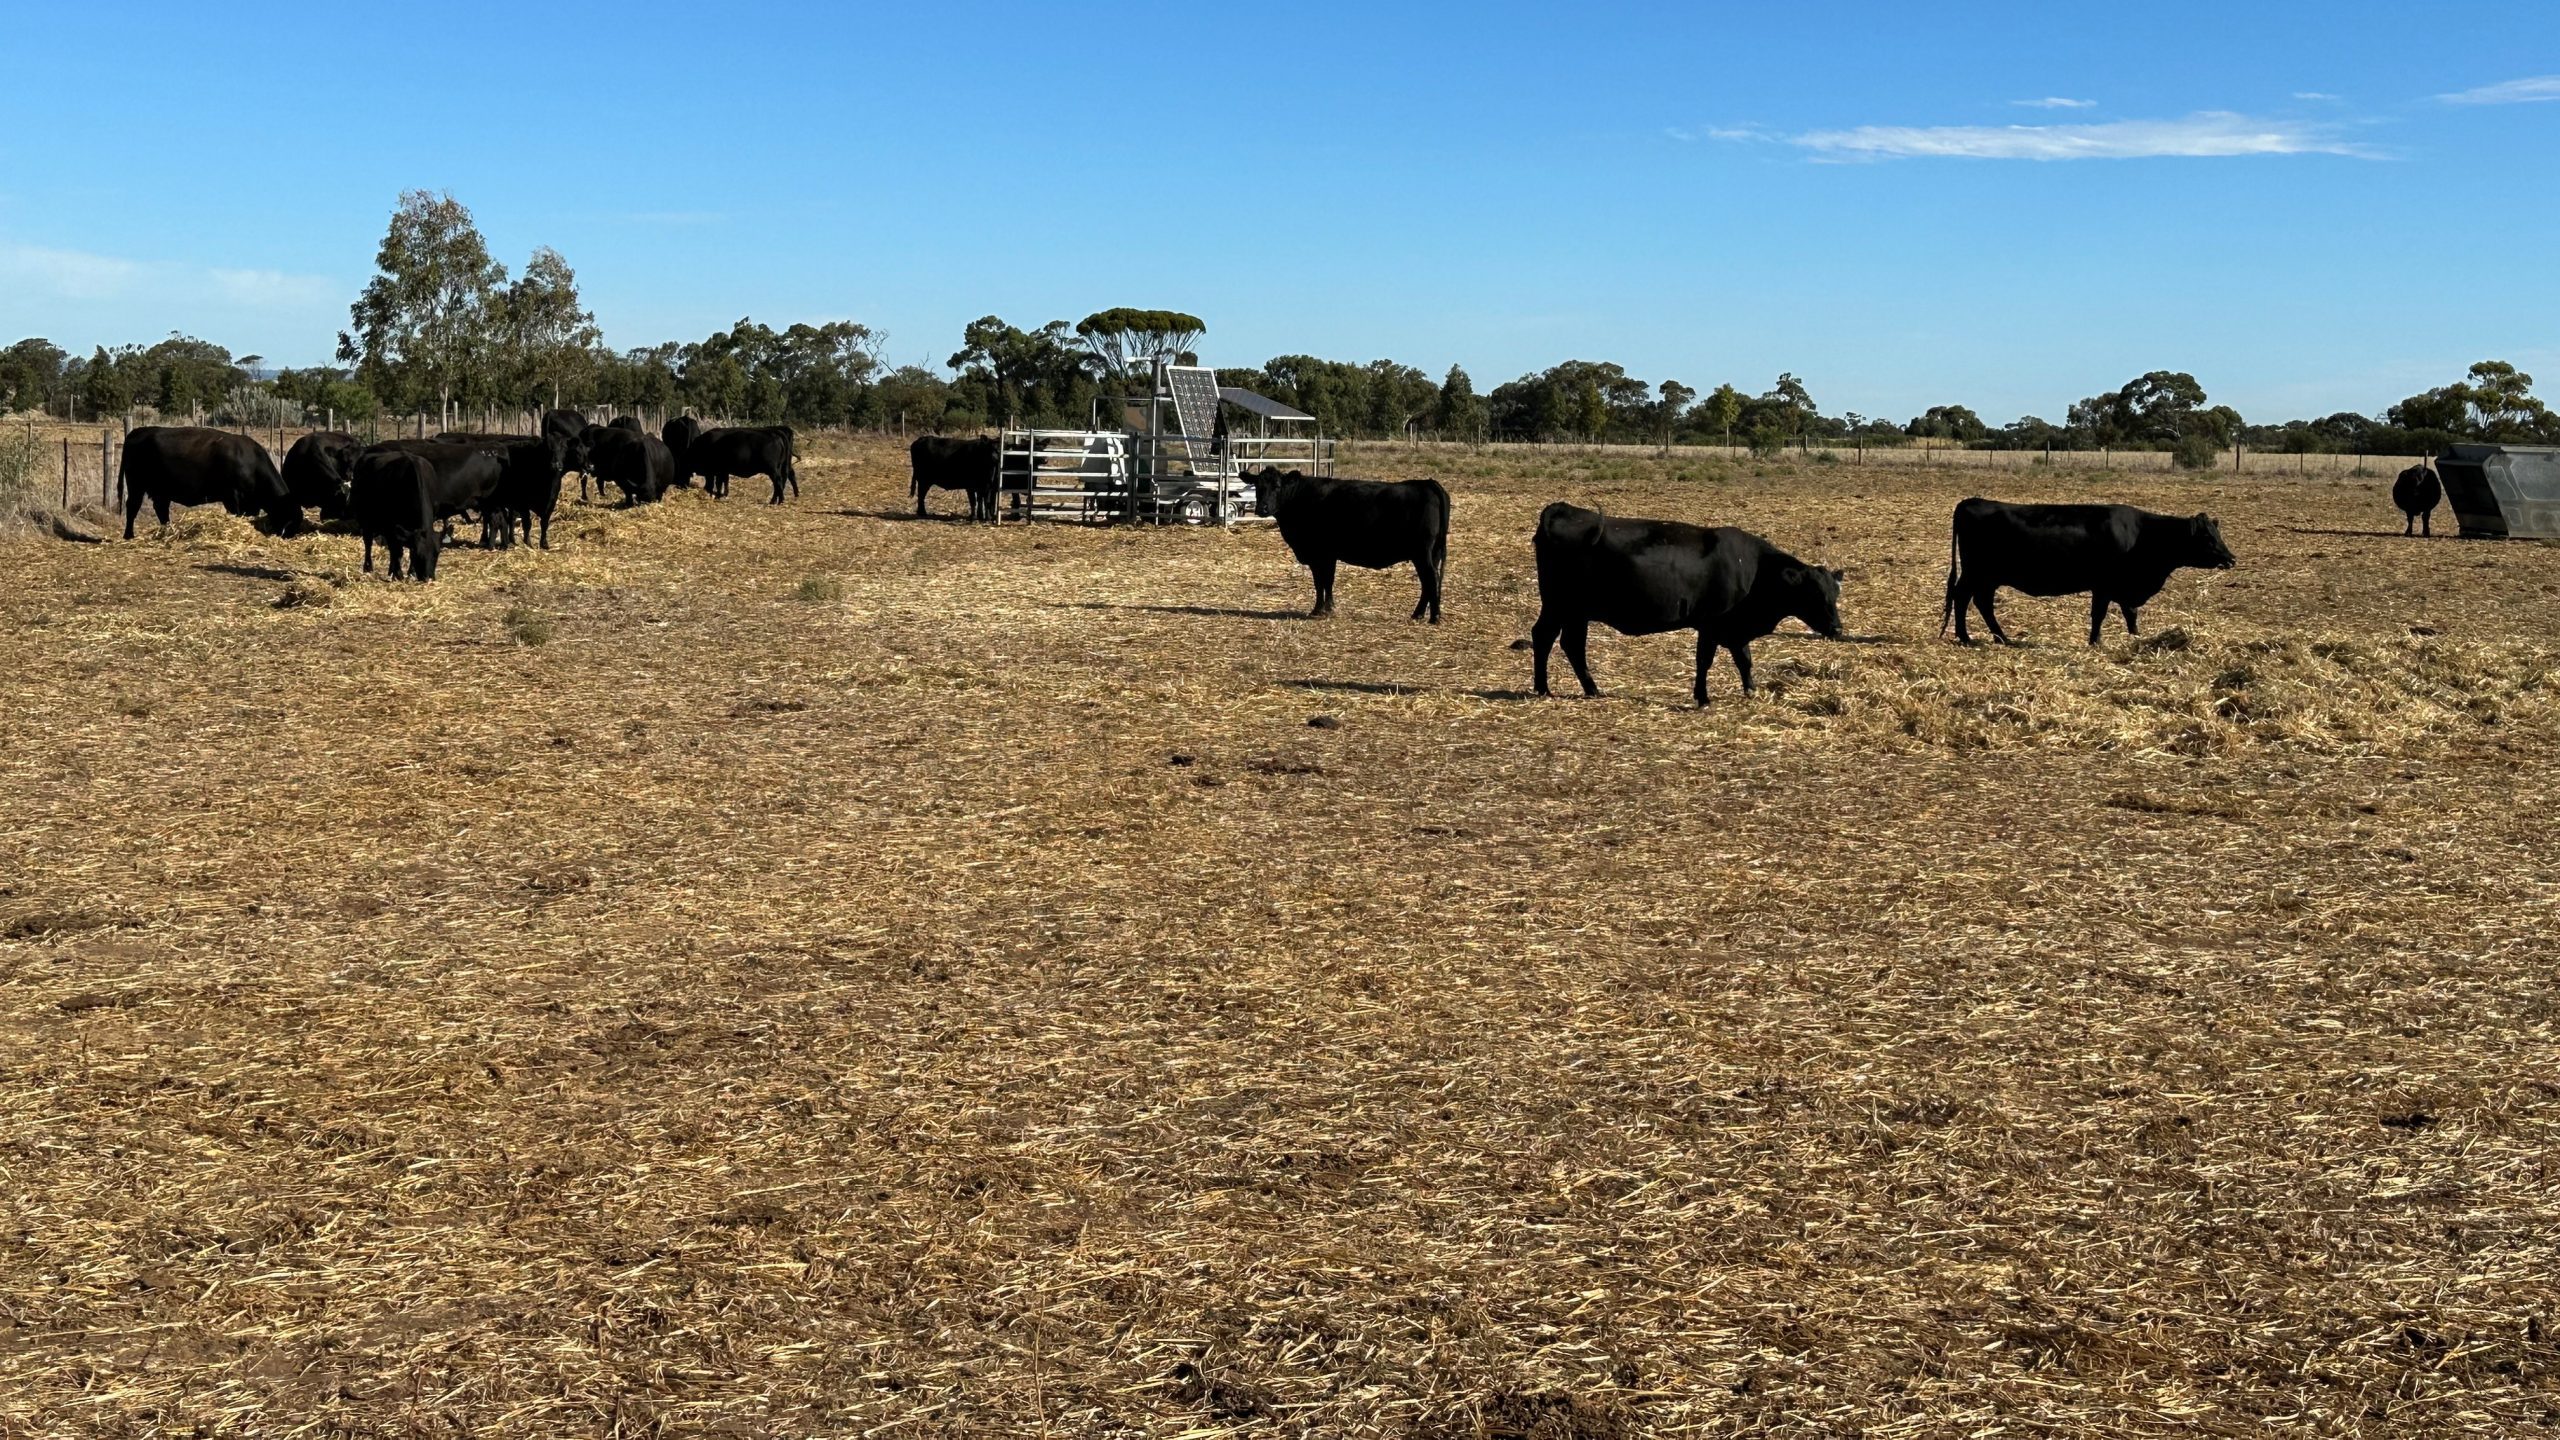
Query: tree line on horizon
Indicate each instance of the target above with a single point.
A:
(442, 328)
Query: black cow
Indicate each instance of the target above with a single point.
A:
(529, 487)
(317, 469)
(1646, 577)
(1369, 523)
(2114, 554)
(640, 465)
(466, 477)
(2417, 492)
(627, 423)
(678, 434)
(719, 456)
(193, 465)
(940, 462)
(571, 429)
(392, 498)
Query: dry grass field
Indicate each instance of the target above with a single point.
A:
(811, 972)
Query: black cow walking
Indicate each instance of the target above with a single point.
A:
(1646, 577)
(392, 498)
(2417, 492)
(940, 462)
(2114, 554)
(194, 465)
(1369, 523)
(719, 456)
(317, 469)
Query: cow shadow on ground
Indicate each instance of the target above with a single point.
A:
(908, 516)
(1214, 611)
(250, 572)
(2357, 534)
(1374, 687)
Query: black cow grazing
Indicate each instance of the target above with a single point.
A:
(940, 462)
(630, 423)
(719, 456)
(2417, 492)
(392, 498)
(641, 466)
(1369, 523)
(317, 470)
(2114, 554)
(192, 465)
(466, 477)
(1646, 577)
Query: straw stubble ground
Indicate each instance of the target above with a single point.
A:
(856, 976)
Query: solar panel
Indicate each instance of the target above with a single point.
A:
(1195, 405)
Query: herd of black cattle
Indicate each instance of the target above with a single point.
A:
(406, 494)
(1638, 577)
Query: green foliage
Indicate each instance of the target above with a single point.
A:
(2196, 450)
(1948, 422)
(1125, 344)
(104, 390)
(1458, 411)
(821, 590)
(21, 458)
(30, 374)
(423, 326)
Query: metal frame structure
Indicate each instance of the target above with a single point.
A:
(2503, 491)
(1185, 473)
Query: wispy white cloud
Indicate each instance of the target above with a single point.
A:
(2530, 91)
(2055, 102)
(2316, 95)
(69, 274)
(271, 287)
(79, 275)
(1737, 132)
(2210, 135)
(1685, 137)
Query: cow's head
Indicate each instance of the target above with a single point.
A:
(1813, 594)
(2205, 550)
(1267, 484)
(423, 550)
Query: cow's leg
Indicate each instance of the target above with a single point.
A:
(368, 552)
(1323, 571)
(2132, 619)
(1741, 651)
(1542, 636)
(1982, 601)
(1428, 572)
(1706, 662)
(2098, 603)
(2427, 524)
(2408, 525)
(160, 511)
(132, 509)
(1575, 634)
(778, 482)
(393, 550)
(1960, 600)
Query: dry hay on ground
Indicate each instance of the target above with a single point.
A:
(807, 971)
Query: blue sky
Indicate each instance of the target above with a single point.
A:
(2005, 205)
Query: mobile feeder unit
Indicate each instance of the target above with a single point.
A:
(1172, 461)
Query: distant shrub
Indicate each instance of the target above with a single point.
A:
(2196, 452)
(821, 590)
(18, 456)
(1826, 457)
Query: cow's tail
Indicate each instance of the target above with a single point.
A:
(1955, 583)
(1439, 532)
